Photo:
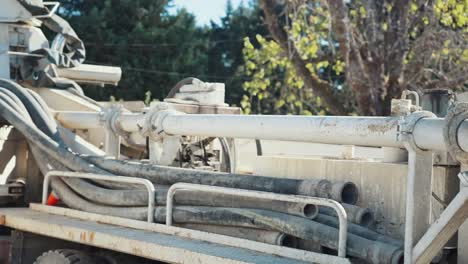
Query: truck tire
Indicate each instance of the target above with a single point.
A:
(64, 256)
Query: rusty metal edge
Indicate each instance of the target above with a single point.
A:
(291, 253)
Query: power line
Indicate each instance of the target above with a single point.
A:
(155, 71)
(156, 45)
(147, 45)
(174, 73)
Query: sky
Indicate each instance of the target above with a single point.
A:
(205, 10)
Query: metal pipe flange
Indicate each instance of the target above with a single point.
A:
(456, 115)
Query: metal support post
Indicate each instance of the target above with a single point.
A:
(418, 184)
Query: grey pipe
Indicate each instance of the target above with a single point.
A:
(196, 198)
(372, 251)
(358, 230)
(88, 190)
(70, 198)
(341, 191)
(356, 214)
(259, 235)
(309, 245)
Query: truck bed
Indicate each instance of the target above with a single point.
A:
(149, 240)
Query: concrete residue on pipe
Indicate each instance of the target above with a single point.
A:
(196, 198)
(356, 214)
(259, 235)
(169, 175)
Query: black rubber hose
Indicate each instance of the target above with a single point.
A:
(7, 100)
(358, 230)
(197, 198)
(356, 214)
(372, 251)
(18, 103)
(50, 147)
(44, 106)
(112, 198)
(39, 118)
(90, 191)
(70, 198)
(341, 191)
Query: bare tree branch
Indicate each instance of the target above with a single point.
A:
(321, 88)
(356, 69)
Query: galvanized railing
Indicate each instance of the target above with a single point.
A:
(340, 211)
(148, 184)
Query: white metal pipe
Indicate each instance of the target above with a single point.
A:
(86, 73)
(343, 130)
(79, 119)
(365, 131)
(131, 122)
(340, 211)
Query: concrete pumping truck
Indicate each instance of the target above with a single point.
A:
(189, 179)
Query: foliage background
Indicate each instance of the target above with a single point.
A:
(304, 71)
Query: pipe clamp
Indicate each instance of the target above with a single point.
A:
(153, 127)
(110, 120)
(406, 128)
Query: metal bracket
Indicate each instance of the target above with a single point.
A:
(456, 115)
(114, 132)
(405, 93)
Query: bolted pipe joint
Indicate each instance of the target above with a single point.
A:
(153, 126)
(406, 128)
(456, 115)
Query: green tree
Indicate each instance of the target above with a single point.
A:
(346, 57)
(226, 40)
(154, 48)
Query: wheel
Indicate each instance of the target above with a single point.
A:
(64, 256)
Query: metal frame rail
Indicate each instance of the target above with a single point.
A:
(148, 184)
(340, 211)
